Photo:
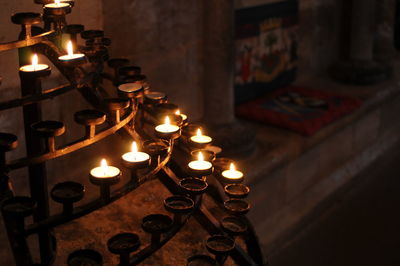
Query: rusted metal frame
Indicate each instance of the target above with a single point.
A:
(83, 210)
(26, 42)
(18, 243)
(71, 147)
(218, 196)
(37, 173)
(46, 94)
(207, 220)
(150, 249)
(36, 98)
(250, 237)
(211, 224)
(20, 248)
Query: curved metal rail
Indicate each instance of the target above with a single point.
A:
(71, 147)
(83, 210)
(150, 249)
(212, 226)
(26, 42)
(47, 94)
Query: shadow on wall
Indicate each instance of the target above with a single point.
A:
(164, 38)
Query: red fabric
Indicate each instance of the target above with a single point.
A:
(301, 119)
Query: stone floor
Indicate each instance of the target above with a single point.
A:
(361, 227)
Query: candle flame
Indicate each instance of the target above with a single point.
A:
(70, 49)
(57, 2)
(200, 157)
(104, 166)
(167, 121)
(199, 134)
(35, 60)
(134, 147)
(232, 167)
(178, 112)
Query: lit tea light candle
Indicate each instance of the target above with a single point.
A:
(135, 156)
(167, 127)
(35, 66)
(57, 4)
(71, 56)
(184, 117)
(200, 164)
(105, 176)
(168, 131)
(105, 171)
(232, 174)
(201, 139)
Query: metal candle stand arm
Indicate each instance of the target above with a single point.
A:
(206, 218)
(71, 147)
(26, 42)
(210, 223)
(83, 210)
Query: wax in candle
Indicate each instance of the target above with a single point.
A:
(155, 95)
(200, 138)
(57, 4)
(130, 87)
(200, 164)
(232, 173)
(167, 127)
(34, 66)
(135, 155)
(105, 171)
(184, 117)
(70, 54)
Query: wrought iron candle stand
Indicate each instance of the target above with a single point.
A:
(135, 114)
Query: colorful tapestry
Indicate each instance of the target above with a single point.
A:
(266, 48)
(302, 110)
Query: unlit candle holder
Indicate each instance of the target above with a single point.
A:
(193, 186)
(238, 191)
(237, 206)
(220, 246)
(123, 244)
(234, 225)
(17, 209)
(178, 205)
(82, 257)
(201, 260)
(156, 224)
(90, 119)
(67, 193)
(49, 130)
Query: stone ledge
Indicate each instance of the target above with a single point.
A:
(279, 146)
(291, 176)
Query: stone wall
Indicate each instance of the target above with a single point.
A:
(165, 39)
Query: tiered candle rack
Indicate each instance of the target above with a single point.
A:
(135, 115)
